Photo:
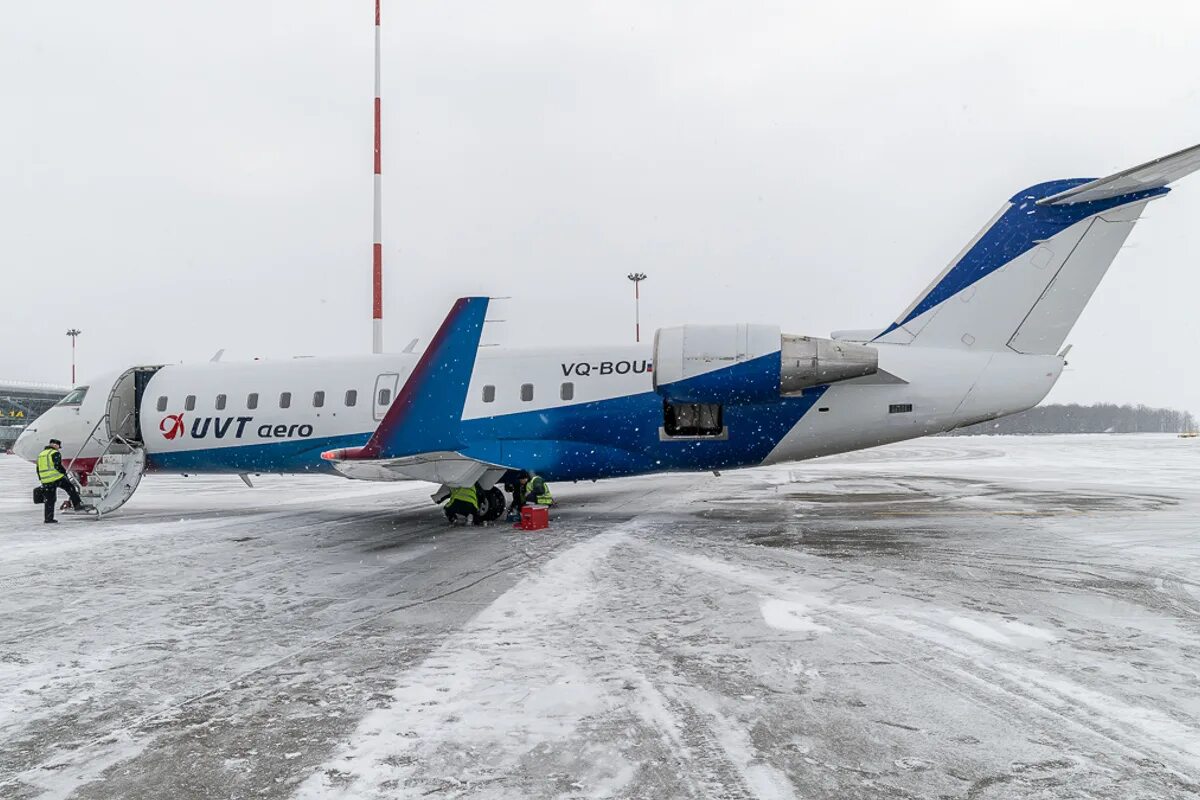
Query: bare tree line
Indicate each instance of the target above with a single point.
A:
(1097, 418)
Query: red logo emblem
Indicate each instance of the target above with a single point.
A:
(171, 425)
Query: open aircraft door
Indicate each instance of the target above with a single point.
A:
(117, 472)
(123, 414)
(385, 392)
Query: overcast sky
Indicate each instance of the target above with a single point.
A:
(181, 177)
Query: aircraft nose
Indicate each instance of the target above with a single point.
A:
(26, 444)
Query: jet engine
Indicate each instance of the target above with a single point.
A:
(750, 363)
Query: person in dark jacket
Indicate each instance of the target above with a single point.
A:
(53, 477)
(529, 489)
(517, 488)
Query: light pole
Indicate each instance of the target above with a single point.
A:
(637, 278)
(73, 333)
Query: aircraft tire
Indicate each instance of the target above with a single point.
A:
(491, 504)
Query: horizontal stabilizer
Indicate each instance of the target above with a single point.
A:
(1021, 283)
(1152, 175)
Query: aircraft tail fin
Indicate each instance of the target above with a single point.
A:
(426, 415)
(1025, 278)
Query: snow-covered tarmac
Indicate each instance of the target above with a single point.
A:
(963, 618)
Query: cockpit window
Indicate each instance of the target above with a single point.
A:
(74, 397)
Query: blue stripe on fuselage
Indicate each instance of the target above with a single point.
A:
(586, 441)
(290, 455)
(620, 436)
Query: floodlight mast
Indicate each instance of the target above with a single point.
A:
(637, 278)
(74, 334)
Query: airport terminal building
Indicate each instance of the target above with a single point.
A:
(21, 404)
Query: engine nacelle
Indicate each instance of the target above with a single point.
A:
(750, 363)
(809, 361)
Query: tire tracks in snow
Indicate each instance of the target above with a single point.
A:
(982, 673)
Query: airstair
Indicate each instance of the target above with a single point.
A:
(122, 461)
(115, 477)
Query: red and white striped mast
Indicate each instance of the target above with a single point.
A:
(377, 247)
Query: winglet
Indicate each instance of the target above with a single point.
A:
(427, 413)
(1154, 174)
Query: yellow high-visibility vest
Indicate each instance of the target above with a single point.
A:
(47, 472)
(466, 493)
(539, 490)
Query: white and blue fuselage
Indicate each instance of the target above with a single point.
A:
(983, 340)
(198, 418)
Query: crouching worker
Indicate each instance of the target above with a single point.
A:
(53, 477)
(528, 490)
(537, 492)
(463, 502)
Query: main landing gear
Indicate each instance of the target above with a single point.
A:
(491, 504)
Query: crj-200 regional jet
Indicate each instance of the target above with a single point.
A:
(984, 340)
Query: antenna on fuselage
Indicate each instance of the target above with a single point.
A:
(377, 241)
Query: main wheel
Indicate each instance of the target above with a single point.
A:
(491, 504)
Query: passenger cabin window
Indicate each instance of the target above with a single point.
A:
(693, 419)
(385, 397)
(285, 400)
(900, 408)
(318, 399)
(351, 398)
(567, 392)
(76, 395)
(252, 401)
(162, 403)
(221, 402)
(189, 403)
(526, 392)
(489, 394)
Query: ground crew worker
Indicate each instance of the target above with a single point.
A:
(518, 490)
(537, 491)
(529, 489)
(516, 487)
(463, 501)
(53, 477)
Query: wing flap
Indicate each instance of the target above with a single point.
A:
(449, 468)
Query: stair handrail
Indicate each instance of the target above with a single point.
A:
(84, 444)
(107, 445)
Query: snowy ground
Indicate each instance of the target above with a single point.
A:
(962, 618)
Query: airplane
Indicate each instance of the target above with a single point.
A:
(984, 339)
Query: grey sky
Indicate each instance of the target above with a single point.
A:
(183, 177)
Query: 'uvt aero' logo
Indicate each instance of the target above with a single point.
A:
(171, 426)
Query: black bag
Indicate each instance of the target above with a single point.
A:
(39, 495)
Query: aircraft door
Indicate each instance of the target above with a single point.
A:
(121, 408)
(125, 403)
(385, 393)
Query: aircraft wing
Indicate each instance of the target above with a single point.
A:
(420, 436)
(450, 468)
(1151, 175)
